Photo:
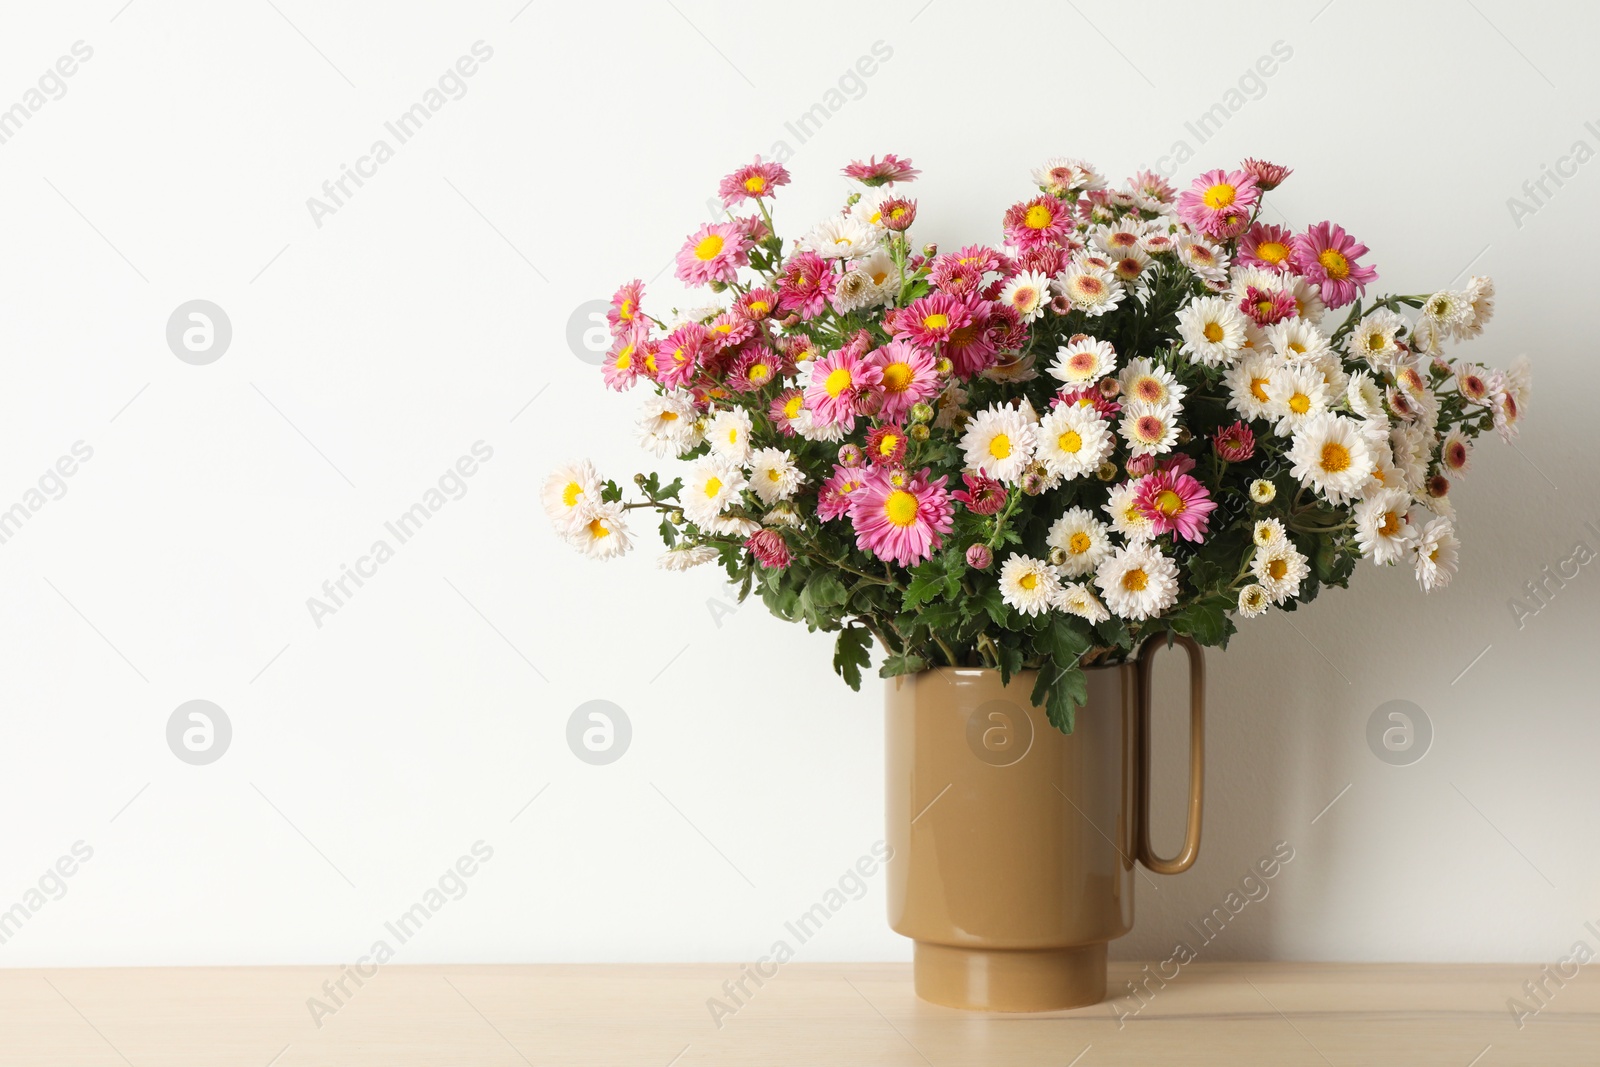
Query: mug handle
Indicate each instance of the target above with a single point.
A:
(1197, 719)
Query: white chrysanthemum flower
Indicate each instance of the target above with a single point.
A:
(1298, 395)
(1455, 452)
(1412, 447)
(869, 209)
(712, 484)
(1083, 361)
(853, 290)
(1450, 313)
(602, 530)
(1330, 454)
(880, 270)
(1029, 585)
(1027, 293)
(999, 441)
(668, 424)
(773, 475)
(1072, 441)
(1382, 528)
(1263, 491)
(682, 557)
(841, 237)
(701, 313)
(1213, 331)
(1147, 382)
(1279, 568)
(805, 424)
(1091, 289)
(1365, 399)
(567, 491)
(1138, 581)
(1374, 338)
(1118, 238)
(1148, 429)
(731, 526)
(1253, 601)
(1077, 599)
(728, 433)
(783, 513)
(1205, 259)
(1122, 506)
(1333, 375)
(1480, 296)
(1308, 303)
(1247, 382)
(1060, 175)
(1436, 553)
(1083, 538)
(1297, 341)
(1268, 532)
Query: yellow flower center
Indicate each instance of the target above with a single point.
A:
(887, 446)
(755, 183)
(1169, 503)
(1219, 196)
(936, 321)
(1069, 441)
(570, 495)
(1277, 568)
(897, 377)
(733, 435)
(791, 407)
(1079, 543)
(625, 311)
(1334, 263)
(1135, 580)
(708, 247)
(597, 529)
(837, 382)
(1258, 389)
(1335, 457)
(774, 474)
(1299, 403)
(1038, 217)
(1213, 332)
(1391, 524)
(624, 358)
(1029, 581)
(668, 416)
(901, 508)
(1273, 252)
(1000, 446)
(713, 486)
(758, 372)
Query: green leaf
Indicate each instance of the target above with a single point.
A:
(927, 584)
(826, 591)
(669, 533)
(990, 601)
(851, 653)
(1068, 692)
(1065, 639)
(907, 664)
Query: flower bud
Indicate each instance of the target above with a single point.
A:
(979, 558)
(930, 250)
(1033, 482)
(1106, 472)
(1109, 388)
(921, 411)
(918, 433)
(942, 366)
(675, 517)
(639, 480)
(1058, 556)
(850, 455)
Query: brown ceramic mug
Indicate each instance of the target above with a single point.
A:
(1013, 843)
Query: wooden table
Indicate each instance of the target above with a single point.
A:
(1283, 1015)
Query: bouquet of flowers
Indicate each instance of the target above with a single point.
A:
(1134, 415)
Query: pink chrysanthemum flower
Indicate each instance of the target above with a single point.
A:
(752, 182)
(1235, 443)
(680, 355)
(833, 499)
(757, 304)
(713, 253)
(1219, 202)
(932, 319)
(622, 366)
(756, 367)
(730, 330)
(886, 171)
(950, 275)
(901, 516)
(1175, 503)
(886, 445)
(1268, 176)
(1267, 307)
(898, 213)
(1044, 220)
(1152, 186)
(624, 310)
(1326, 256)
(1047, 260)
(769, 549)
(972, 348)
(1266, 245)
(907, 376)
(837, 382)
(1089, 396)
(983, 495)
(806, 285)
(785, 408)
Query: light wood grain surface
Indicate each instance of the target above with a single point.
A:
(1283, 1015)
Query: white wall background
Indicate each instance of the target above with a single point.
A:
(431, 312)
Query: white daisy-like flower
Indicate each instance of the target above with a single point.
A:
(869, 209)
(880, 270)
(1027, 293)
(1436, 553)
(1480, 296)
(1060, 175)
(783, 513)
(1297, 341)
(1213, 331)
(1083, 361)
(1279, 569)
(1146, 382)
(1092, 289)
(668, 424)
(1268, 532)
(1411, 446)
(1450, 313)
(1262, 491)
(1331, 454)
(806, 425)
(1365, 400)
(1072, 441)
(853, 290)
(1455, 452)
(999, 441)
(1129, 267)
(1122, 506)
(1083, 538)
(1205, 259)
(1240, 279)
(773, 475)
(602, 530)
(684, 556)
(1333, 376)
(1118, 238)
(1149, 430)
(701, 313)
(1247, 382)
(712, 484)
(1307, 300)
(567, 491)
(1253, 600)
(1383, 529)
(731, 526)
(841, 237)
(1298, 394)
(1029, 585)
(1374, 338)
(1138, 581)
(1077, 599)
(728, 433)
